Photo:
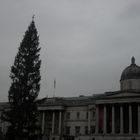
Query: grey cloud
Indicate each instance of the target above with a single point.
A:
(132, 11)
(85, 44)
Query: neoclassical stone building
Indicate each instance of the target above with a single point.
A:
(107, 116)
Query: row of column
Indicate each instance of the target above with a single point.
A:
(53, 122)
(113, 119)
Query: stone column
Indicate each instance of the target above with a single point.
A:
(139, 119)
(104, 119)
(43, 122)
(121, 119)
(113, 120)
(130, 119)
(60, 122)
(2, 127)
(97, 119)
(53, 119)
(89, 122)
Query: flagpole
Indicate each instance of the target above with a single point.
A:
(54, 88)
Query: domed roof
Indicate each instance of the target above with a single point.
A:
(131, 72)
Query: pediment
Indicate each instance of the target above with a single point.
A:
(121, 94)
(118, 97)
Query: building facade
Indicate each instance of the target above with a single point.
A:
(108, 116)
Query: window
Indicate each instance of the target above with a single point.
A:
(78, 115)
(77, 130)
(68, 115)
(86, 130)
(0, 129)
(93, 113)
(87, 115)
(130, 84)
(92, 129)
(68, 130)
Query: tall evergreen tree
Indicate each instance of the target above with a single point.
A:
(25, 75)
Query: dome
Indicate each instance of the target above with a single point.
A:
(131, 72)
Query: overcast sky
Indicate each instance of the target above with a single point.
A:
(85, 44)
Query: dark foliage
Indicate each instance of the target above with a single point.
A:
(25, 75)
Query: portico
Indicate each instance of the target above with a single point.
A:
(51, 120)
(51, 123)
(118, 118)
(118, 113)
